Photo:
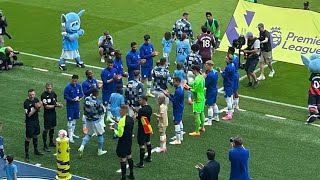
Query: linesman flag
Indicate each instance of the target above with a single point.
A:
(146, 125)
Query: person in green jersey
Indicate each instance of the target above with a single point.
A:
(213, 28)
(197, 89)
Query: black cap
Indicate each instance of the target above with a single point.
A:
(185, 14)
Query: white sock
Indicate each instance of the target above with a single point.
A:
(181, 130)
(165, 141)
(177, 129)
(149, 87)
(83, 122)
(210, 113)
(161, 141)
(236, 100)
(229, 105)
(73, 126)
(215, 109)
(70, 133)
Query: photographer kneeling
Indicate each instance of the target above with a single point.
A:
(7, 55)
(252, 53)
(105, 44)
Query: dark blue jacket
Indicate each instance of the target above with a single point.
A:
(210, 171)
(71, 92)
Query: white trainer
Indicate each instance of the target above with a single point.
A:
(81, 148)
(208, 123)
(102, 59)
(216, 118)
(271, 74)
(101, 152)
(175, 142)
(75, 136)
(261, 78)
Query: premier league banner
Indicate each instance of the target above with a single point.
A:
(293, 31)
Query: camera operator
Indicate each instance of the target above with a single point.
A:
(7, 55)
(3, 25)
(252, 53)
(239, 158)
(266, 52)
(105, 44)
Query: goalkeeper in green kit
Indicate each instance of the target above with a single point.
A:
(197, 89)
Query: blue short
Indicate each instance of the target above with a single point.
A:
(106, 97)
(73, 113)
(211, 98)
(146, 72)
(177, 118)
(228, 92)
(236, 83)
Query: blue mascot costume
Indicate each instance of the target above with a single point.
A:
(313, 64)
(70, 33)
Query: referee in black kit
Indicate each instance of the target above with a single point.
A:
(31, 106)
(49, 101)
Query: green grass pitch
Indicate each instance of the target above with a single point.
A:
(280, 149)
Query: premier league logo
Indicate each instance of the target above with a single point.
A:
(275, 36)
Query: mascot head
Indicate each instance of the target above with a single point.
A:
(71, 21)
(313, 63)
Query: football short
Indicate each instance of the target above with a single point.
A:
(190, 77)
(70, 54)
(177, 118)
(123, 149)
(228, 92)
(162, 129)
(236, 82)
(146, 72)
(50, 120)
(32, 129)
(73, 113)
(211, 98)
(251, 64)
(94, 127)
(159, 93)
(143, 138)
(198, 107)
(266, 57)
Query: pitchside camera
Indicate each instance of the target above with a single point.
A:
(238, 43)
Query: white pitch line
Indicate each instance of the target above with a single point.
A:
(317, 125)
(156, 149)
(277, 117)
(39, 69)
(66, 74)
(54, 59)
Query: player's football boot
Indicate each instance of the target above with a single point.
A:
(255, 84)
(208, 123)
(194, 134)
(148, 159)
(236, 107)
(175, 142)
(80, 65)
(36, 152)
(227, 117)
(101, 152)
(261, 78)
(150, 95)
(62, 68)
(103, 59)
(163, 150)
(202, 129)
(312, 118)
(216, 118)
(190, 101)
(271, 74)
(84, 130)
(138, 165)
(81, 148)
